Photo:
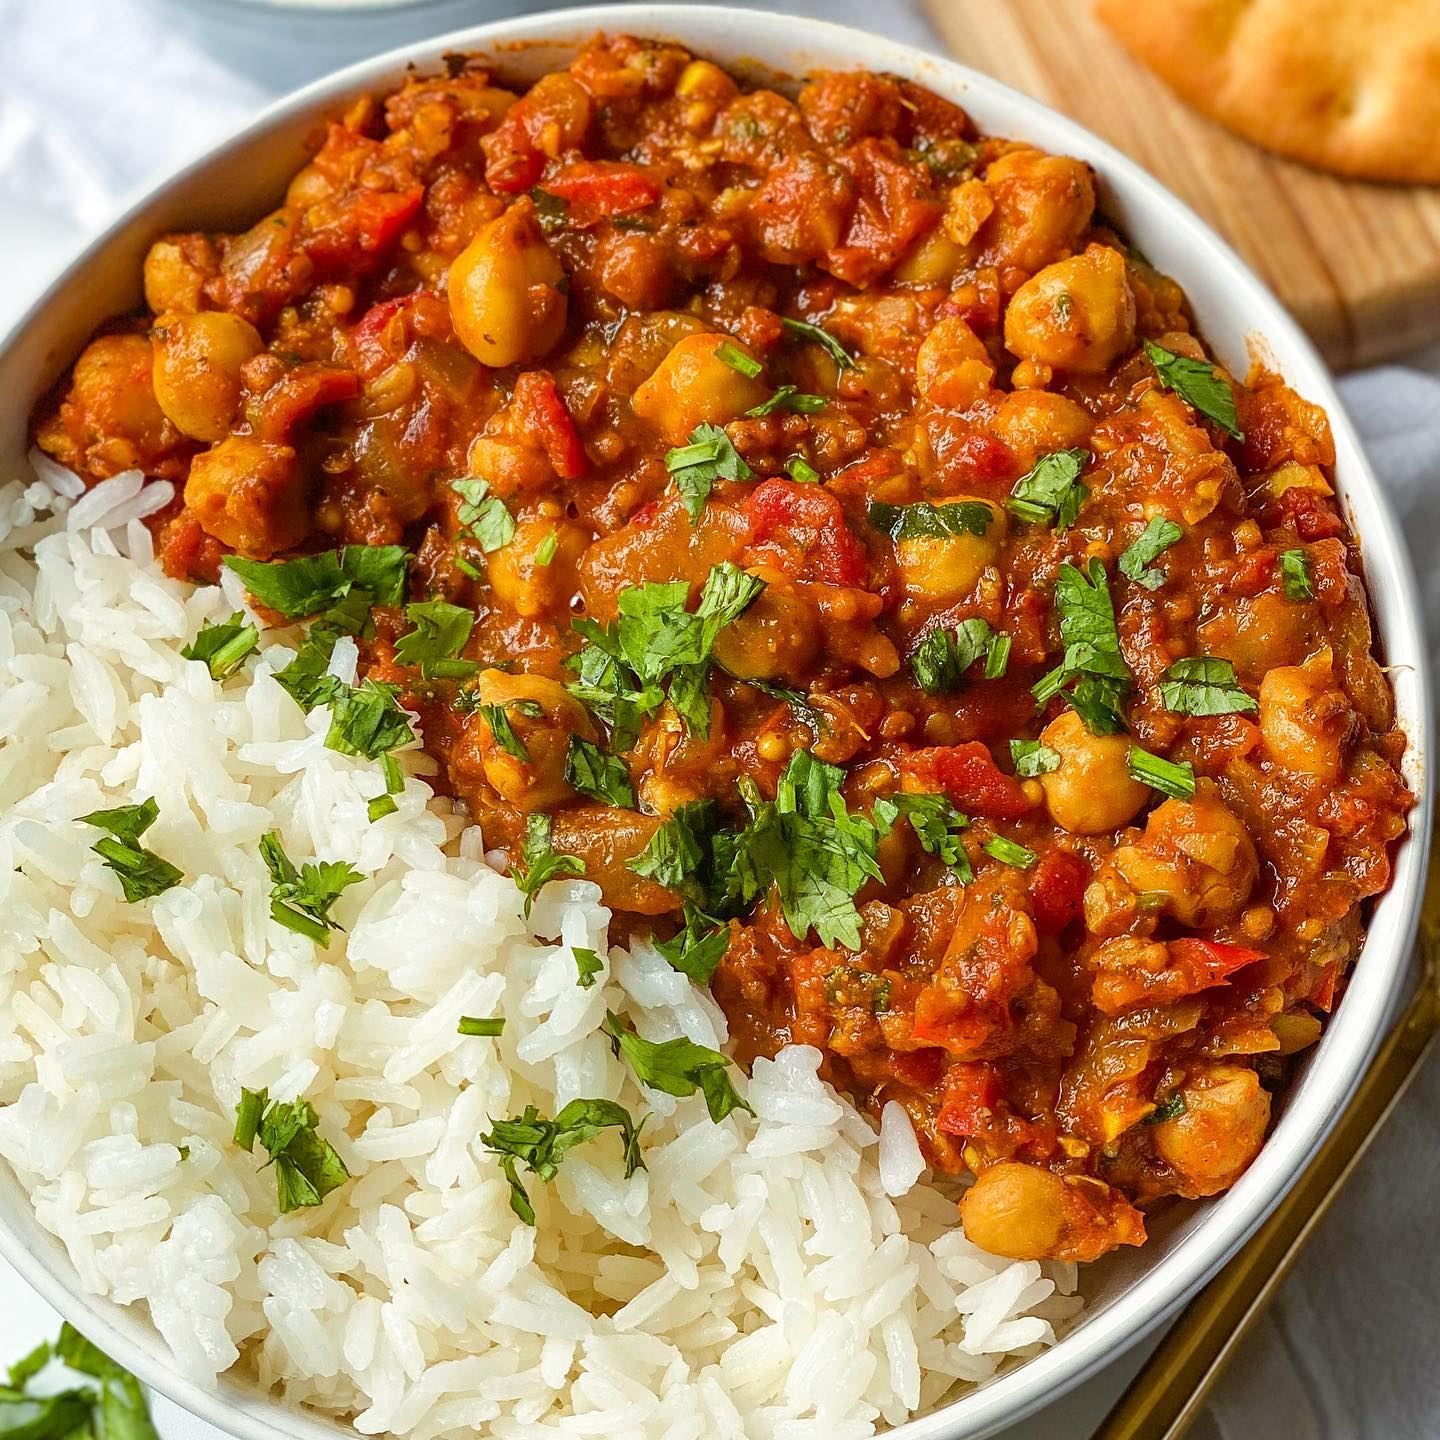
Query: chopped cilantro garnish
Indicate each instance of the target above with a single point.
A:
(594, 773)
(479, 1025)
(384, 803)
(440, 633)
(368, 721)
(1170, 1108)
(1008, 852)
(1093, 667)
(1295, 574)
(504, 731)
(301, 900)
(1152, 542)
(307, 1167)
(943, 656)
(308, 583)
(551, 210)
(1198, 383)
(1050, 492)
(1204, 685)
(1031, 758)
(697, 466)
(924, 521)
(117, 1410)
(810, 848)
(486, 517)
(810, 715)
(698, 947)
(789, 397)
(823, 338)
(142, 874)
(851, 988)
(729, 353)
(678, 855)
(802, 472)
(1175, 778)
(543, 1144)
(677, 1067)
(223, 647)
(587, 966)
(937, 825)
(545, 551)
(540, 863)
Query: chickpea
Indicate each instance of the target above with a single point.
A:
(1026, 1213)
(1092, 790)
(679, 763)
(953, 369)
(1220, 1131)
(113, 384)
(250, 495)
(1305, 719)
(197, 360)
(1197, 854)
(606, 839)
(1076, 315)
(172, 282)
(692, 385)
(1043, 204)
(1258, 632)
(539, 782)
(778, 635)
(525, 583)
(946, 569)
(504, 288)
(1032, 423)
(933, 260)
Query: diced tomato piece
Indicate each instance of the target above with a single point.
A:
(941, 1020)
(512, 162)
(187, 552)
(969, 775)
(1323, 995)
(540, 411)
(892, 210)
(801, 529)
(354, 232)
(920, 1069)
(972, 1091)
(297, 395)
(1057, 890)
(1210, 961)
(602, 187)
(1311, 513)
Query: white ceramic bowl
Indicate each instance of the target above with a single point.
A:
(1129, 1295)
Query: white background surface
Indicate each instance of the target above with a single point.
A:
(99, 96)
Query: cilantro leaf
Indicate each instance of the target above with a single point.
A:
(810, 848)
(486, 517)
(122, 1413)
(937, 825)
(1093, 666)
(307, 1167)
(223, 647)
(1152, 542)
(306, 584)
(1031, 758)
(540, 863)
(301, 900)
(1050, 492)
(541, 1144)
(551, 210)
(1204, 685)
(481, 1025)
(307, 677)
(1295, 574)
(824, 339)
(594, 773)
(1009, 852)
(729, 353)
(677, 1067)
(788, 397)
(504, 731)
(587, 966)
(697, 948)
(384, 803)
(924, 521)
(440, 633)
(801, 471)
(943, 656)
(679, 853)
(697, 466)
(606, 685)
(142, 874)
(368, 721)
(1171, 1108)
(1199, 383)
(1175, 778)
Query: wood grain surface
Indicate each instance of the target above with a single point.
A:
(1358, 264)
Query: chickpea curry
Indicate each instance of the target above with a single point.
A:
(808, 520)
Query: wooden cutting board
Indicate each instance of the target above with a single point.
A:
(1358, 264)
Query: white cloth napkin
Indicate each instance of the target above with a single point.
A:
(98, 95)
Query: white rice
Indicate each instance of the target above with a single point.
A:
(784, 1276)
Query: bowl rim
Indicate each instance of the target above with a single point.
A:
(1379, 974)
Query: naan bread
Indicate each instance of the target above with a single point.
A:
(1349, 85)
